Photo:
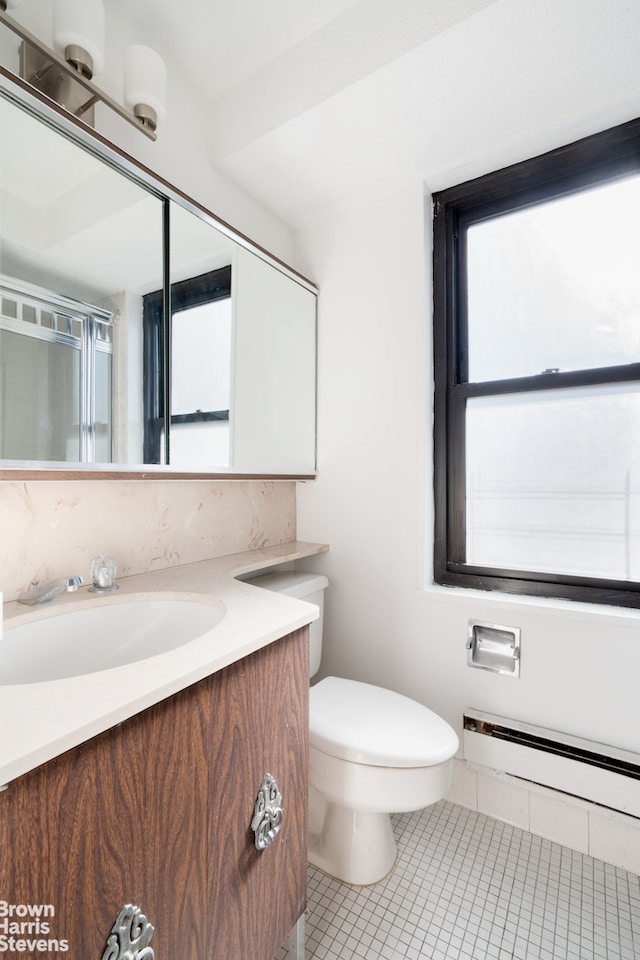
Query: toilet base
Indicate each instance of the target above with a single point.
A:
(354, 846)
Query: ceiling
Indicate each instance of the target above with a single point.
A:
(316, 103)
(328, 42)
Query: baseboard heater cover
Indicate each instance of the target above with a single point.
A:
(581, 768)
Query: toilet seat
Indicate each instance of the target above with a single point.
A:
(370, 725)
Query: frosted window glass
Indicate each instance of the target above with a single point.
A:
(553, 482)
(556, 285)
(201, 358)
(43, 379)
(103, 407)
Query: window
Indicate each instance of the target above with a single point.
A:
(200, 372)
(56, 365)
(537, 375)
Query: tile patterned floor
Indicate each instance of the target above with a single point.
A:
(468, 887)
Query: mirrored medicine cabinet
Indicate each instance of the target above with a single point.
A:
(139, 335)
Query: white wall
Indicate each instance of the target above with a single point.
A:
(372, 504)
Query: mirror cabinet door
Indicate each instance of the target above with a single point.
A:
(243, 338)
(201, 259)
(80, 245)
(274, 383)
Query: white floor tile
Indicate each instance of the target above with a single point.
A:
(468, 887)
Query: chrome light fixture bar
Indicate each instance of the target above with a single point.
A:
(68, 80)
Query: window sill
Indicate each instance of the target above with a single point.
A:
(548, 606)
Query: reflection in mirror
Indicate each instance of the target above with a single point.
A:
(274, 346)
(201, 370)
(201, 338)
(80, 245)
(88, 241)
(55, 354)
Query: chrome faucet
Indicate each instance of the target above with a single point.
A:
(44, 592)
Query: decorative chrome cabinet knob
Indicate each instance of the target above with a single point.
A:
(267, 813)
(130, 936)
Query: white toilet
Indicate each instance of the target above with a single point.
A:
(372, 752)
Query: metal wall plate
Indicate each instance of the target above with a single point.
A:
(493, 647)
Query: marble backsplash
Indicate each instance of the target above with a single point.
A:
(53, 528)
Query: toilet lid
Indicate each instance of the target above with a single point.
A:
(371, 725)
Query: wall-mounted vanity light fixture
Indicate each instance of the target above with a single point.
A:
(65, 74)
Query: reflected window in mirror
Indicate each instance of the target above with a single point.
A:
(56, 362)
(201, 334)
(79, 246)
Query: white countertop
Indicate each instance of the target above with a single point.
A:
(39, 721)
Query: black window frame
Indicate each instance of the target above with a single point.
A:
(603, 157)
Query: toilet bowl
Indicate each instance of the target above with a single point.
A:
(372, 752)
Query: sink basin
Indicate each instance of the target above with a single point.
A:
(98, 636)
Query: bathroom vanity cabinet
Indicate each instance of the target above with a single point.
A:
(157, 811)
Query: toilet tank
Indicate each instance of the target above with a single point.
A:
(304, 586)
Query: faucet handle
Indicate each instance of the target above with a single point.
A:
(103, 573)
(30, 593)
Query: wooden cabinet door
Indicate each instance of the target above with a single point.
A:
(157, 812)
(256, 897)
